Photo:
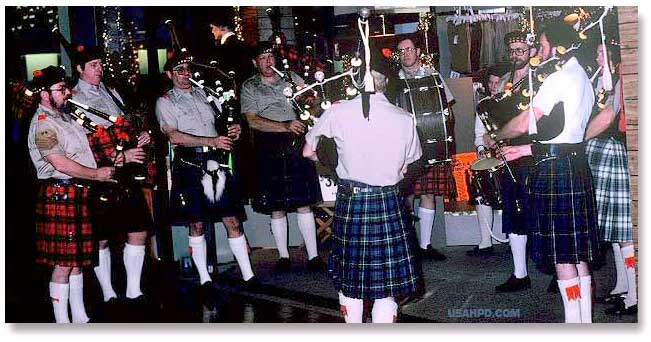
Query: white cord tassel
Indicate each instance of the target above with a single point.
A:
(213, 193)
(368, 78)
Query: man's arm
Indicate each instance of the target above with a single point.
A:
(600, 122)
(177, 137)
(71, 168)
(309, 152)
(265, 125)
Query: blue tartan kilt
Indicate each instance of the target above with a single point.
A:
(286, 180)
(188, 202)
(373, 244)
(563, 202)
(609, 167)
(514, 221)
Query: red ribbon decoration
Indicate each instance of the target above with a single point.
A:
(630, 262)
(573, 292)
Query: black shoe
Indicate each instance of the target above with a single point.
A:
(207, 294)
(553, 285)
(514, 284)
(283, 265)
(480, 252)
(315, 264)
(620, 309)
(432, 254)
(252, 284)
(611, 298)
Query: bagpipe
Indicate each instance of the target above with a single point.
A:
(109, 142)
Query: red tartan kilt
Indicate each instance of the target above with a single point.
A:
(436, 180)
(64, 235)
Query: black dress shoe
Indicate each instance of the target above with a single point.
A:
(207, 294)
(553, 285)
(252, 284)
(480, 252)
(432, 254)
(283, 265)
(315, 264)
(619, 308)
(514, 284)
(611, 298)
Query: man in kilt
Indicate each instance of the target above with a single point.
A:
(514, 216)
(374, 248)
(288, 182)
(118, 208)
(64, 165)
(606, 149)
(188, 120)
(435, 180)
(560, 189)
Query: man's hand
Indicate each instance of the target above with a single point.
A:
(105, 174)
(488, 140)
(234, 132)
(515, 152)
(222, 143)
(143, 138)
(135, 155)
(296, 127)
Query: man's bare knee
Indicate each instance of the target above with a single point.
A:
(196, 229)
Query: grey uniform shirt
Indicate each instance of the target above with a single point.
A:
(52, 133)
(268, 101)
(187, 112)
(371, 151)
(97, 97)
(424, 72)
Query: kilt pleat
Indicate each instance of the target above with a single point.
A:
(373, 246)
(64, 234)
(436, 180)
(565, 212)
(609, 166)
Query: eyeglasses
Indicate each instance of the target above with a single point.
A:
(518, 52)
(406, 50)
(61, 89)
(183, 70)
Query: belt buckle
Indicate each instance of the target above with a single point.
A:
(356, 190)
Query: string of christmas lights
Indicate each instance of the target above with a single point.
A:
(120, 51)
(27, 17)
(237, 20)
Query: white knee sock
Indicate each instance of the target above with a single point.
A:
(308, 229)
(103, 273)
(354, 308)
(621, 285)
(385, 310)
(59, 297)
(199, 256)
(586, 298)
(77, 299)
(238, 247)
(133, 257)
(426, 221)
(279, 231)
(628, 253)
(485, 218)
(519, 251)
(571, 293)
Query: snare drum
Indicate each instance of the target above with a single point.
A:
(486, 181)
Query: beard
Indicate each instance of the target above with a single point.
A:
(61, 107)
(519, 64)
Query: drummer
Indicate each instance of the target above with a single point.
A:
(484, 210)
(438, 179)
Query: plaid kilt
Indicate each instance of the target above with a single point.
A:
(286, 180)
(64, 235)
(189, 204)
(609, 166)
(373, 245)
(562, 198)
(437, 179)
(513, 221)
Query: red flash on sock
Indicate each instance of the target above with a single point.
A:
(573, 292)
(630, 262)
(54, 299)
(190, 250)
(343, 310)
